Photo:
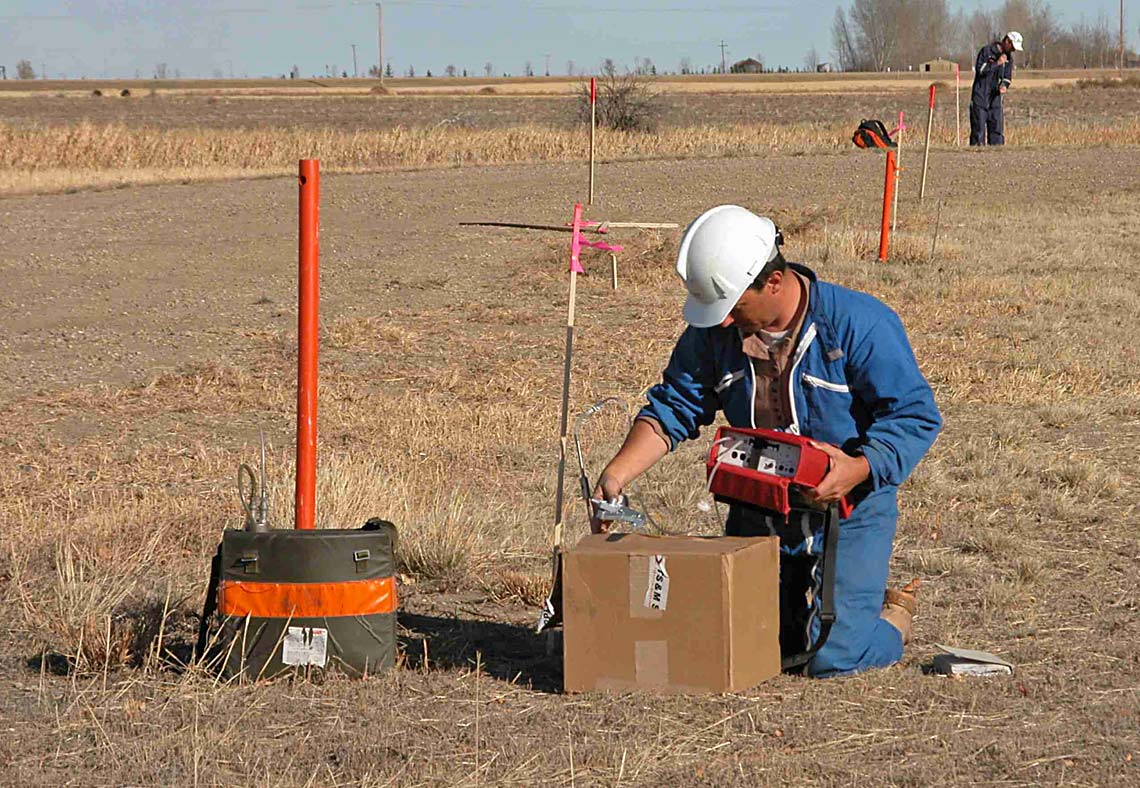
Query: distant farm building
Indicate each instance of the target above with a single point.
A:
(938, 64)
(823, 68)
(748, 66)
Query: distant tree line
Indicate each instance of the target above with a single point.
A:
(876, 35)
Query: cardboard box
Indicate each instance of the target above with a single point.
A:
(670, 613)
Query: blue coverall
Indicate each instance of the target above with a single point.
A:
(987, 119)
(854, 383)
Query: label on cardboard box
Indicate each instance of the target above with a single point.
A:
(657, 594)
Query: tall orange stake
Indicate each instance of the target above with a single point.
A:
(307, 300)
(593, 131)
(888, 197)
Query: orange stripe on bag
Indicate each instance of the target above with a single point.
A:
(307, 600)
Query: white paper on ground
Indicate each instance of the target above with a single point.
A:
(965, 661)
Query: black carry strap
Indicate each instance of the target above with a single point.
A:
(826, 591)
(210, 605)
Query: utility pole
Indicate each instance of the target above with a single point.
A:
(355, 73)
(1120, 45)
(723, 69)
(547, 56)
(380, 37)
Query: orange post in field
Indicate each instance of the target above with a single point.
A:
(888, 198)
(593, 131)
(307, 300)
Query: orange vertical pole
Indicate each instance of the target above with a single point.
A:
(307, 300)
(888, 197)
(593, 131)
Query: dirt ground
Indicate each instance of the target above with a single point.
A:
(148, 332)
(360, 111)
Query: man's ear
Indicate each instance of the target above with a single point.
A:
(774, 281)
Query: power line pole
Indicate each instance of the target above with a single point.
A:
(380, 37)
(723, 69)
(1120, 45)
(355, 73)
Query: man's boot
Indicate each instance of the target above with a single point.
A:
(899, 607)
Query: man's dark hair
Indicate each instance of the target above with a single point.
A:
(777, 263)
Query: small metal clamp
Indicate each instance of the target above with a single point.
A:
(248, 563)
(616, 510)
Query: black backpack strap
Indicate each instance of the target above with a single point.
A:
(826, 591)
(210, 606)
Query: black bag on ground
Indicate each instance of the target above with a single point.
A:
(286, 600)
(872, 134)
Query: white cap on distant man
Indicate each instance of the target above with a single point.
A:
(722, 252)
(1015, 39)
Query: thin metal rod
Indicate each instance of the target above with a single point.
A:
(937, 224)
(559, 228)
(926, 154)
(566, 366)
(307, 301)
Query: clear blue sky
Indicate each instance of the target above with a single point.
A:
(119, 38)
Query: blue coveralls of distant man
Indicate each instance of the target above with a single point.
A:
(772, 346)
(993, 73)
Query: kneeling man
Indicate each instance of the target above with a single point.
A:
(772, 346)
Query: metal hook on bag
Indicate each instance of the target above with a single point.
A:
(256, 505)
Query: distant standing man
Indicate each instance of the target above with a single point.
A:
(993, 72)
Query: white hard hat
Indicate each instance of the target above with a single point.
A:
(1015, 39)
(723, 250)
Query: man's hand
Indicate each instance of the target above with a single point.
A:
(606, 489)
(642, 447)
(1001, 89)
(843, 475)
(1002, 59)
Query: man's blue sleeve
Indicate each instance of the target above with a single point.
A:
(685, 400)
(982, 61)
(883, 373)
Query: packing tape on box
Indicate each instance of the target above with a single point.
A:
(651, 663)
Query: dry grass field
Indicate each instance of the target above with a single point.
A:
(61, 140)
(149, 332)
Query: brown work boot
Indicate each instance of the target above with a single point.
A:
(899, 607)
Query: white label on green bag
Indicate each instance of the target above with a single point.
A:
(305, 646)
